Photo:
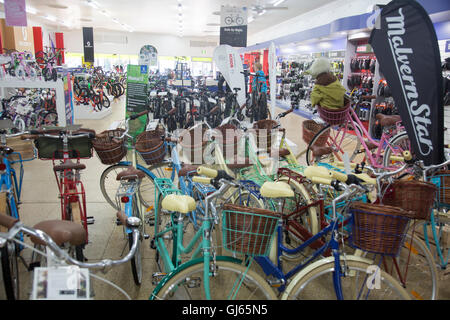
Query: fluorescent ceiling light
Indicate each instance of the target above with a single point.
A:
(51, 18)
(30, 9)
(103, 12)
(93, 4)
(262, 12)
(250, 19)
(278, 2)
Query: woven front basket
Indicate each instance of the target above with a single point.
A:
(332, 116)
(193, 144)
(110, 149)
(247, 230)
(415, 196)
(264, 130)
(442, 181)
(377, 228)
(151, 146)
(310, 129)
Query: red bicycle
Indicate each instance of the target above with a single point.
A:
(66, 146)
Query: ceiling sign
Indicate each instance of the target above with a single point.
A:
(233, 26)
(148, 56)
(15, 13)
(88, 44)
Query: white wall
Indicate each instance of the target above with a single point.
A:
(165, 44)
(315, 18)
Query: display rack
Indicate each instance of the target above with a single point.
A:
(58, 86)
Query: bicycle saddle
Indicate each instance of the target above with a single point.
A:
(276, 190)
(178, 203)
(130, 174)
(61, 232)
(386, 121)
(69, 165)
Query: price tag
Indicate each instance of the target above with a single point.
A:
(152, 125)
(61, 283)
(162, 94)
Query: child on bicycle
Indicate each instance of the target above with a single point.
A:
(328, 92)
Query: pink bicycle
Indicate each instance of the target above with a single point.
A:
(346, 137)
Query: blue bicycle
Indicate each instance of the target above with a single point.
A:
(11, 187)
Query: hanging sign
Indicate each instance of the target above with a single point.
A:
(229, 63)
(148, 56)
(407, 50)
(15, 13)
(233, 26)
(88, 44)
(136, 97)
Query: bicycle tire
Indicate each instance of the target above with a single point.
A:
(136, 260)
(50, 118)
(161, 221)
(10, 266)
(109, 185)
(304, 286)
(106, 103)
(220, 283)
(329, 141)
(400, 143)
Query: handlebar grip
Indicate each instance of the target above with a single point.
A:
(7, 221)
(203, 180)
(210, 173)
(319, 180)
(214, 110)
(339, 176)
(171, 139)
(138, 115)
(397, 158)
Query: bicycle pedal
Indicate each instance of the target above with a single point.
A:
(90, 220)
(118, 222)
(157, 277)
(146, 236)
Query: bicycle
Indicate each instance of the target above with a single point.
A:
(345, 135)
(62, 145)
(9, 204)
(207, 277)
(59, 238)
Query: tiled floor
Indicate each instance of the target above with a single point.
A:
(40, 202)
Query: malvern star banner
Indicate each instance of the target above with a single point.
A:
(406, 46)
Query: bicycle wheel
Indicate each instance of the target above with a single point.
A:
(292, 237)
(416, 269)
(340, 140)
(10, 266)
(106, 102)
(163, 221)
(50, 118)
(187, 283)
(316, 283)
(109, 184)
(395, 147)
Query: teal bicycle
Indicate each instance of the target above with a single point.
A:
(205, 275)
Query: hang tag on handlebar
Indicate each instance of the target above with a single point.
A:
(151, 126)
(61, 283)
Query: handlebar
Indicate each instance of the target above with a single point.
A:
(15, 227)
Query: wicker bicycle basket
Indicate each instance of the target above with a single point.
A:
(193, 144)
(310, 129)
(247, 230)
(52, 148)
(442, 182)
(377, 228)
(415, 196)
(151, 146)
(333, 117)
(109, 147)
(264, 130)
